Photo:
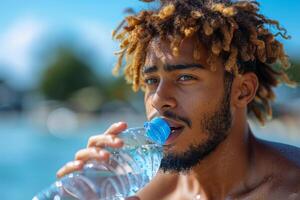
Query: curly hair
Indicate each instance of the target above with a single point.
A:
(233, 31)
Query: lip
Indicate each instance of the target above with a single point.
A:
(172, 123)
(176, 130)
(173, 136)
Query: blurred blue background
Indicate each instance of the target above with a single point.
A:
(63, 50)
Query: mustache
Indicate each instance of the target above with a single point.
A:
(176, 117)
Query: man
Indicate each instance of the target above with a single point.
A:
(204, 65)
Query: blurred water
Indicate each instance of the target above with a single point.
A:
(30, 156)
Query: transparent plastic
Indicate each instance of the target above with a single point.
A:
(128, 169)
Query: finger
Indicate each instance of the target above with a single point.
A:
(102, 141)
(92, 154)
(70, 167)
(112, 131)
(109, 138)
(116, 128)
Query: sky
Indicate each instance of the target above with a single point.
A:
(27, 25)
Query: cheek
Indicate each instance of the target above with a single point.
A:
(199, 101)
(196, 97)
(148, 105)
(193, 107)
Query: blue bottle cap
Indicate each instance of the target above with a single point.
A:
(157, 130)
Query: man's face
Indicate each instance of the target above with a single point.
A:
(193, 99)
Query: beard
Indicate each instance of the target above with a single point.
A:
(216, 124)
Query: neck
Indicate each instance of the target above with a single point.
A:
(227, 167)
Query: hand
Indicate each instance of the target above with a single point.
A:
(95, 149)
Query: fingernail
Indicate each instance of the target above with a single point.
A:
(119, 123)
(59, 173)
(101, 154)
(76, 162)
(116, 140)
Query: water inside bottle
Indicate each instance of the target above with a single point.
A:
(127, 171)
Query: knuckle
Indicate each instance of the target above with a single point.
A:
(78, 154)
(103, 154)
(93, 151)
(103, 140)
(68, 165)
(108, 138)
(113, 126)
(96, 140)
(61, 170)
(91, 140)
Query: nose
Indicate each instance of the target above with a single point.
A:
(164, 97)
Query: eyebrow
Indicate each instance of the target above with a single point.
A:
(169, 68)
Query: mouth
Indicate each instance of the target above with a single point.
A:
(175, 132)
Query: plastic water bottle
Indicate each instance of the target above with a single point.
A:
(128, 169)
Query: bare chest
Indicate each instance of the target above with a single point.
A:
(264, 192)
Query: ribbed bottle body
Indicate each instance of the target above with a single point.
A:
(128, 169)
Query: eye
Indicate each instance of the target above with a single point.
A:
(186, 78)
(150, 81)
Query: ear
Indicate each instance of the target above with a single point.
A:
(244, 89)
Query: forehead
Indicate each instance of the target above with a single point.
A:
(159, 52)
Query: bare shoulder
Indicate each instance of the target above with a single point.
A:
(285, 166)
(288, 153)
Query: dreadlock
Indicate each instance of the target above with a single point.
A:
(232, 31)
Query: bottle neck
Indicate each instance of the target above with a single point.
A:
(136, 137)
